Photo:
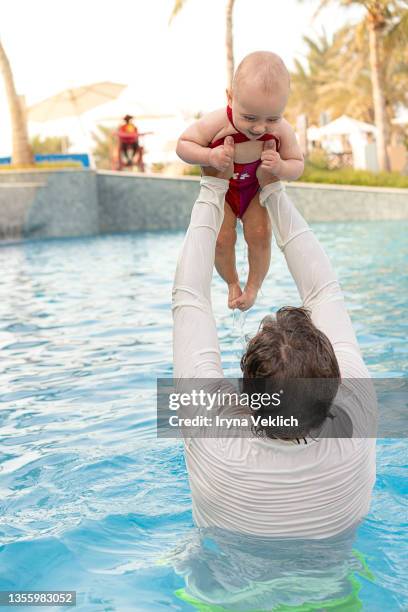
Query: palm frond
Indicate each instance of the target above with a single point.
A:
(322, 5)
(398, 34)
(178, 5)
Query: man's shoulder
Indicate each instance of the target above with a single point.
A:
(356, 404)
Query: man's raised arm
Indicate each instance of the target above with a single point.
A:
(196, 352)
(315, 278)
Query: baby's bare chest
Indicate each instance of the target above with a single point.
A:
(245, 152)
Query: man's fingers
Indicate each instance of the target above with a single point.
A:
(269, 145)
(268, 164)
(229, 146)
(268, 160)
(270, 153)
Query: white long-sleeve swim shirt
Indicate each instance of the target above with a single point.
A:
(258, 485)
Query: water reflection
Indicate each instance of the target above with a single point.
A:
(240, 572)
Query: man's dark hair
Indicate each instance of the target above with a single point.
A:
(289, 351)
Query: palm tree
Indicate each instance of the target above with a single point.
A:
(307, 81)
(229, 38)
(336, 76)
(21, 153)
(383, 16)
(50, 145)
(335, 79)
(105, 144)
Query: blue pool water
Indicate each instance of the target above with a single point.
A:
(90, 500)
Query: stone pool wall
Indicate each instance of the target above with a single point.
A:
(40, 204)
(129, 202)
(152, 202)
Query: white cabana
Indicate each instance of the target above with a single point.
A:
(332, 135)
(401, 119)
(343, 125)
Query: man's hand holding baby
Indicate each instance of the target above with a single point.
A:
(222, 157)
(227, 155)
(272, 165)
(271, 160)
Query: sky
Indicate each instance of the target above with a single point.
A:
(53, 45)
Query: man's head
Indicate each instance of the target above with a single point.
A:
(285, 350)
(259, 93)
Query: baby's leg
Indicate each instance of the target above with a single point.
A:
(225, 254)
(257, 232)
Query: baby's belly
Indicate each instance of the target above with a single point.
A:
(246, 152)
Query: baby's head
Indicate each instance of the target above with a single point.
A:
(259, 93)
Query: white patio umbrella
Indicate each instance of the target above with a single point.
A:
(74, 102)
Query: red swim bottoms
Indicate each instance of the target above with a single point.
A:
(243, 187)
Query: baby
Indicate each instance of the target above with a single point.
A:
(250, 135)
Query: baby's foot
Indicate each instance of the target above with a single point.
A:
(246, 299)
(234, 291)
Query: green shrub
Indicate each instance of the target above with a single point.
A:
(158, 167)
(318, 159)
(50, 144)
(192, 171)
(349, 176)
(345, 176)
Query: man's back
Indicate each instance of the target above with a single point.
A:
(276, 488)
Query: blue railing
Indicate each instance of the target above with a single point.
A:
(83, 158)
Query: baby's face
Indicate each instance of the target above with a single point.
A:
(256, 113)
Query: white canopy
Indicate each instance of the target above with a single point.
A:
(342, 125)
(75, 101)
(401, 119)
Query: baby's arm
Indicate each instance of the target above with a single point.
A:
(192, 146)
(288, 164)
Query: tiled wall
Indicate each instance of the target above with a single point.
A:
(82, 202)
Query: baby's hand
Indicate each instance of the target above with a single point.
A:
(271, 160)
(222, 157)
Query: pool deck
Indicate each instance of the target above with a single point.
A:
(40, 203)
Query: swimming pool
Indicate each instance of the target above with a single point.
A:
(90, 500)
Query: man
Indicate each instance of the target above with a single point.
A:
(129, 146)
(288, 486)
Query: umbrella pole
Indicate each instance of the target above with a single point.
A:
(84, 131)
(88, 151)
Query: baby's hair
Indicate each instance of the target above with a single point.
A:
(263, 68)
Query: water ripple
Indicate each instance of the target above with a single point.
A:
(90, 499)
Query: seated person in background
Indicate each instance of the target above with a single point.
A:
(129, 141)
